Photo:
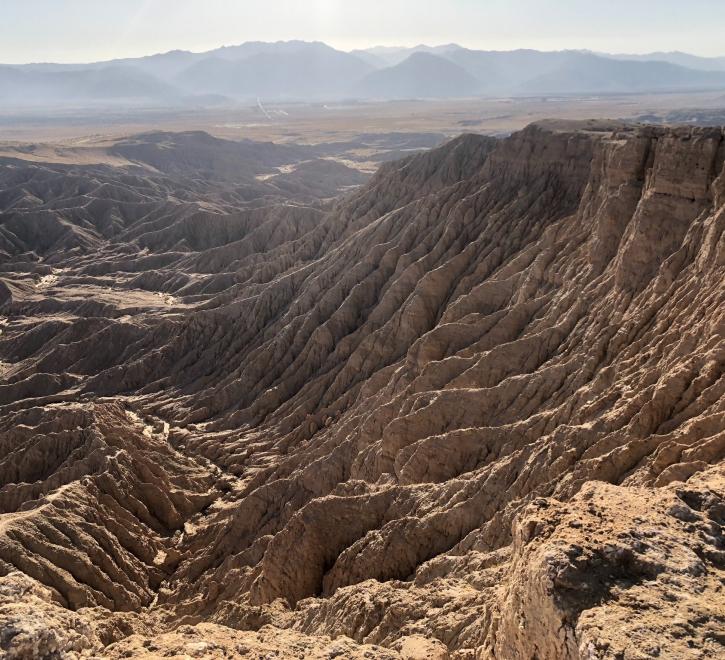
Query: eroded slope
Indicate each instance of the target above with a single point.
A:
(472, 409)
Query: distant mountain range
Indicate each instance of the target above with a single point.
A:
(421, 74)
(313, 71)
(676, 57)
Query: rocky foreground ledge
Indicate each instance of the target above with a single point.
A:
(473, 409)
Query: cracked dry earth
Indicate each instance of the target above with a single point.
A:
(474, 408)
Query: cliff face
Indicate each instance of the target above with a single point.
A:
(475, 408)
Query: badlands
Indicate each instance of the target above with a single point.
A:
(256, 403)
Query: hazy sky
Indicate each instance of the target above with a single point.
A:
(87, 30)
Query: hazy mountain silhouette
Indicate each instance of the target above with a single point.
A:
(676, 57)
(376, 61)
(298, 70)
(111, 83)
(251, 48)
(571, 72)
(162, 65)
(392, 55)
(507, 71)
(309, 71)
(589, 73)
(421, 75)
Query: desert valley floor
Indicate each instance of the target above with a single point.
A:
(366, 398)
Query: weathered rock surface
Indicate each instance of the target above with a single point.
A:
(472, 409)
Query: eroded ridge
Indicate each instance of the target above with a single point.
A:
(474, 408)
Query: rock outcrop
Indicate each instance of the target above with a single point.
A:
(474, 408)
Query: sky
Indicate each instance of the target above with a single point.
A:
(92, 30)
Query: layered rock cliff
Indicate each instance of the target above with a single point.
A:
(473, 409)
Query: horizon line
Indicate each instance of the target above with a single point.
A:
(365, 49)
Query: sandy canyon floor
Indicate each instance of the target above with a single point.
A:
(364, 397)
